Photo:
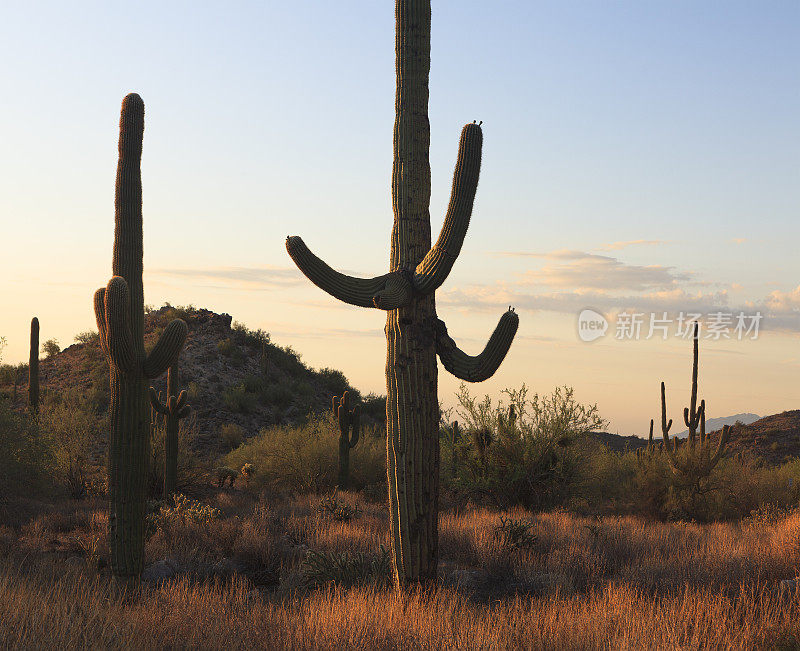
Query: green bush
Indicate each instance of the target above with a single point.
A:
(27, 457)
(531, 452)
(346, 569)
(51, 347)
(305, 457)
(232, 435)
(238, 399)
(74, 429)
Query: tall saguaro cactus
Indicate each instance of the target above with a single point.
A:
(173, 410)
(119, 308)
(414, 333)
(33, 368)
(694, 465)
(349, 430)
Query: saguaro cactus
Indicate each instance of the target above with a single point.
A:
(693, 465)
(349, 429)
(119, 308)
(33, 368)
(173, 410)
(414, 333)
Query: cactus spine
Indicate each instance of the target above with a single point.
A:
(33, 368)
(349, 421)
(414, 333)
(173, 410)
(119, 308)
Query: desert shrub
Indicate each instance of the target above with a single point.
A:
(193, 391)
(178, 510)
(74, 428)
(51, 347)
(332, 507)
(27, 456)
(735, 488)
(335, 382)
(250, 338)
(238, 399)
(305, 457)
(531, 451)
(226, 347)
(88, 337)
(232, 435)
(347, 569)
(514, 535)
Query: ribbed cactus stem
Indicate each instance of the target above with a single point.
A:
(691, 416)
(349, 430)
(174, 410)
(33, 368)
(119, 308)
(414, 334)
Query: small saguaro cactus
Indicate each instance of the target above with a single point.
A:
(349, 430)
(455, 438)
(640, 452)
(33, 368)
(119, 308)
(174, 409)
(693, 465)
(414, 333)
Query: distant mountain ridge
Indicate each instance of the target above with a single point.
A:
(772, 439)
(714, 424)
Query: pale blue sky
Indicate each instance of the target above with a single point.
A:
(675, 123)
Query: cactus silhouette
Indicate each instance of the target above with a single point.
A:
(349, 429)
(694, 464)
(33, 368)
(119, 308)
(414, 333)
(174, 409)
(646, 453)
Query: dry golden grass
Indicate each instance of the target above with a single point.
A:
(619, 582)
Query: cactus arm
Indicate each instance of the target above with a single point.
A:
(184, 411)
(723, 442)
(479, 367)
(436, 265)
(181, 400)
(156, 403)
(100, 317)
(165, 352)
(386, 292)
(119, 338)
(665, 426)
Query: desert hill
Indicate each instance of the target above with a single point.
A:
(232, 375)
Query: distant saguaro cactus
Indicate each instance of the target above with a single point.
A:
(174, 409)
(349, 430)
(414, 333)
(693, 465)
(640, 453)
(33, 368)
(119, 308)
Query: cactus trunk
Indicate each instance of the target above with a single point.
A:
(119, 308)
(412, 407)
(414, 333)
(33, 368)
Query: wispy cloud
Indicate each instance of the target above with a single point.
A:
(587, 271)
(616, 246)
(250, 277)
